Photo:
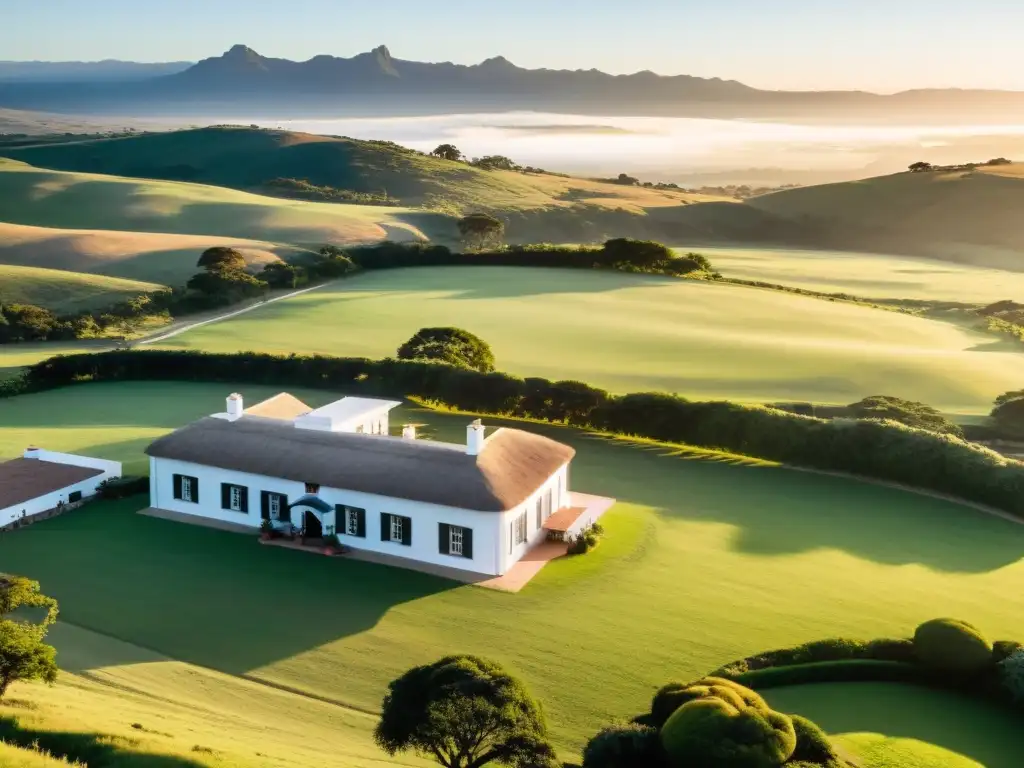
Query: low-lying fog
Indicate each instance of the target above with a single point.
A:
(685, 150)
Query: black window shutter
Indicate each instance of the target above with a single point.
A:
(361, 523)
(407, 531)
(265, 505)
(444, 538)
(467, 543)
(225, 496)
(177, 486)
(385, 526)
(195, 489)
(245, 500)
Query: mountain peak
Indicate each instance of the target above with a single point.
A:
(240, 51)
(497, 63)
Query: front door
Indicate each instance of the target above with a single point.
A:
(312, 526)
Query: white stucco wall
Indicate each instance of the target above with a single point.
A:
(426, 517)
(512, 553)
(50, 500)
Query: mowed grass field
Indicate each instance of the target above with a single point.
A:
(705, 561)
(867, 275)
(632, 333)
(66, 291)
(44, 198)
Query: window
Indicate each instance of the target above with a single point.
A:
(274, 506)
(312, 487)
(353, 520)
(519, 529)
(234, 498)
(455, 540)
(74, 496)
(547, 504)
(186, 488)
(540, 513)
(397, 532)
(396, 529)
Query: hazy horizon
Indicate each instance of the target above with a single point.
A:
(791, 45)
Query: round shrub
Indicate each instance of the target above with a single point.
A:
(671, 697)
(624, 746)
(812, 745)
(1011, 674)
(712, 733)
(952, 645)
(1004, 649)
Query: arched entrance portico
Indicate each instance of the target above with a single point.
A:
(312, 514)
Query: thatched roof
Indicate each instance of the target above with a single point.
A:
(22, 480)
(510, 468)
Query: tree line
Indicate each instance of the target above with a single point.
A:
(879, 449)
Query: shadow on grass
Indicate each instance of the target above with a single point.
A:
(94, 750)
(203, 596)
(976, 729)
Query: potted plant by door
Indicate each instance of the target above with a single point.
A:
(331, 545)
(266, 530)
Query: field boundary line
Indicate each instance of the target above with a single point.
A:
(229, 315)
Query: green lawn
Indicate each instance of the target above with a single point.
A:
(705, 561)
(633, 333)
(867, 275)
(899, 726)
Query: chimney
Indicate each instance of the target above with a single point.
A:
(235, 406)
(475, 438)
(32, 452)
(409, 432)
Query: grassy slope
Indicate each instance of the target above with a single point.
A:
(243, 158)
(65, 291)
(152, 256)
(77, 200)
(971, 217)
(632, 333)
(705, 561)
(866, 275)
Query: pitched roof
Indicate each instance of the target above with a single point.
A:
(23, 479)
(510, 468)
(280, 406)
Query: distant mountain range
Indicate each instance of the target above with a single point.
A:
(242, 83)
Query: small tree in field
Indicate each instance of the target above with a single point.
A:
(23, 654)
(480, 231)
(920, 167)
(221, 259)
(448, 152)
(454, 346)
(464, 712)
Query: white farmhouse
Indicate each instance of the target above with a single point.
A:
(478, 506)
(41, 480)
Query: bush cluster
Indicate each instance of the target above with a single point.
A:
(952, 645)
(123, 487)
(877, 449)
(586, 540)
(711, 723)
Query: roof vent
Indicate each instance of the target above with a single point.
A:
(235, 406)
(409, 431)
(32, 452)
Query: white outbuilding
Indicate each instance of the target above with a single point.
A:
(42, 481)
(476, 506)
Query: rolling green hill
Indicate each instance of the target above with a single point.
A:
(972, 217)
(64, 291)
(246, 159)
(631, 333)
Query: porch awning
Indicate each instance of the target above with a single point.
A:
(313, 502)
(563, 519)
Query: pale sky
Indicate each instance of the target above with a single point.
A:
(881, 45)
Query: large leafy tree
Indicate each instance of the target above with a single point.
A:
(454, 346)
(464, 712)
(448, 152)
(221, 259)
(23, 654)
(481, 230)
